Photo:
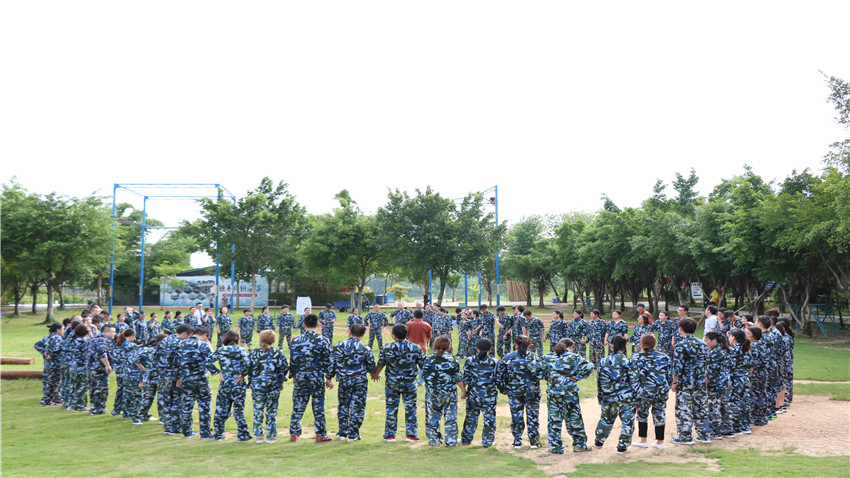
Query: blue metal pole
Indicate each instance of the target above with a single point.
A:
(498, 290)
(217, 292)
(479, 286)
(142, 262)
(232, 267)
(112, 262)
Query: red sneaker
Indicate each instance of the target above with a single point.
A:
(293, 438)
(412, 438)
(390, 439)
(322, 439)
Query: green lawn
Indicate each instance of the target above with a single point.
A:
(40, 441)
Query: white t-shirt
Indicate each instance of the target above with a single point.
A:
(710, 325)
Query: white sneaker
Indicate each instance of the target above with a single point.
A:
(152, 419)
(261, 440)
(641, 444)
(389, 440)
(660, 446)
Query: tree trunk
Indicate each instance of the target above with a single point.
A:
(253, 291)
(528, 294)
(62, 298)
(453, 294)
(34, 291)
(442, 291)
(99, 289)
(51, 286)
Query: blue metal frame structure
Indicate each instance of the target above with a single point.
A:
(494, 201)
(138, 189)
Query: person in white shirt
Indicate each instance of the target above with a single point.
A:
(711, 324)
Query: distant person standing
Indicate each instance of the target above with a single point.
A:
(401, 315)
(327, 318)
(711, 324)
(285, 322)
(376, 320)
(641, 310)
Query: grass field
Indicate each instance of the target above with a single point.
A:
(49, 441)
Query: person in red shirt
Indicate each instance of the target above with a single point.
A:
(641, 310)
(419, 332)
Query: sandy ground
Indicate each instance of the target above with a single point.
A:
(813, 425)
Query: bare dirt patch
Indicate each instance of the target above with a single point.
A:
(813, 425)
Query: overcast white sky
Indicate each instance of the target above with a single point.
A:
(556, 102)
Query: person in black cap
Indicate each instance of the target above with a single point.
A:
(327, 318)
(641, 310)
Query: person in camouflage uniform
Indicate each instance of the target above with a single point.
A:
(616, 326)
(246, 327)
(223, 324)
(444, 325)
(121, 325)
(327, 318)
(487, 327)
(578, 331)
(266, 374)
(481, 377)
(504, 340)
(285, 323)
(650, 378)
(354, 318)
(144, 358)
(65, 360)
(562, 369)
(310, 370)
(718, 378)
(739, 398)
(689, 363)
(301, 328)
(265, 321)
(124, 345)
(761, 405)
(193, 357)
(50, 348)
(788, 359)
(401, 315)
(233, 361)
(557, 329)
(776, 362)
(167, 324)
(519, 379)
(208, 321)
(642, 327)
(441, 373)
(77, 352)
(140, 325)
(535, 329)
(666, 328)
(351, 364)
(376, 320)
(154, 327)
(464, 332)
(520, 327)
(474, 320)
(597, 329)
(615, 395)
(403, 360)
(133, 387)
(167, 362)
(100, 364)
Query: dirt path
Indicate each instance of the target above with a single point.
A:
(814, 426)
(807, 382)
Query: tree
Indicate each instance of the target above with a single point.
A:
(345, 246)
(529, 256)
(264, 227)
(399, 291)
(453, 282)
(54, 238)
(427, 231)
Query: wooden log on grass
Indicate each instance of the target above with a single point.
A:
(16, 374)
(16, 361)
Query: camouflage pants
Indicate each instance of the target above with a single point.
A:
(503, 345)
(247, 339)
(151, 393)
(406, 391)
(528, 404)
(376, 334)
(690, 414)
(441, 406)
(626, 411)
(738, 406)
(169, 395)
(789, 387)
(66, 383)
(666, 348)
(716, 412)
(219, 336)
(760, 401)
(328, 333)
(118, 404)
(191, 392)
(133, 396)
(284, 335)
(79, 390)
(565, 411)
(658, 407)
(231, 395)
(486, 407)
(99, 391)
(50, 384)
(305, 389)
(351, 406)
(597, 353)
(265, 403)
(537, 346)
